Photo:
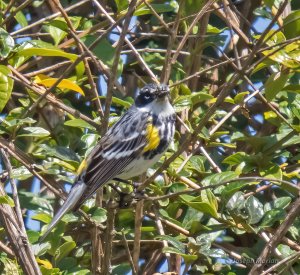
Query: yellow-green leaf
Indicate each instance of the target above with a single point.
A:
(6, 85)
(52, 52)
(63, 84)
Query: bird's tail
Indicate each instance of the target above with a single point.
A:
(73, 197)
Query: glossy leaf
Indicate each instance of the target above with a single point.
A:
(6, 85)
(51, 52)
(79, 123)
(64, 84)
(7, 200)
(64, 250)
(6, 43)
(35, 132)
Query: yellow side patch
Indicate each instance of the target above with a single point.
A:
(152, 136)
(81, 167)
(44, 263)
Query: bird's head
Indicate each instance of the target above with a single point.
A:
(150, 93)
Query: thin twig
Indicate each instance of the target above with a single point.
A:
(41, 21)
(113, 76)
(108, 239)
(17, 236)
(161, 232)
(83, 49)
(189, 30)
(137, 55)
(137, 234)
(291, 258)
(199, 189)
(128, 253)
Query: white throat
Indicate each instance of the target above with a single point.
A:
(159, 107)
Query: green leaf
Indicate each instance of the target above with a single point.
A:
(35, 132)
(7, 200)
(173, 241)
(230, 189)
(58, 28)
(68, 263)
(272, 216)
(236, 158)
(271, 171)
(21, 19)
(64, 250)
(40, 249)
(33, 51)
(291, 24)
(187, 258)
(200, 97)
(6, 43)
(122, 5)
(239, 98)
(264, 64)
(204, 207)
(275, 84)
(43, 217)
(182, 102)
(120, 269)
(255, 210)
(159, 8)
(60, 152)
(19, 122)
(98, 214)
(21, 173)
(33, 236)
(79, 123)
(118, 101)
(47, 271)
(236, 202)
(293, 88)
(218, 178)
(6, 85)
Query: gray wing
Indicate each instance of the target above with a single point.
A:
(121, 144)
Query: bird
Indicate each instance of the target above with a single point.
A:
(131, 146)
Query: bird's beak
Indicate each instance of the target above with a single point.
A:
(163, 94)
(163, 91)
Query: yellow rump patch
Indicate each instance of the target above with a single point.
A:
(152, 136)
(81, 167)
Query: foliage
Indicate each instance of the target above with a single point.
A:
(232, 171)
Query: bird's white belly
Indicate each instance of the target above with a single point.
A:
(138, 167)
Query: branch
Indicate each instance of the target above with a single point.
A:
(16, 231)
(137, 234)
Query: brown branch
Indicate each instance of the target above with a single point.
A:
(7, 250)
(296, 188)
(128, 253)
(113, 76)
(137, 234)
(52, 16)
(108, 239)
(17, 9)
(16, 231)
(189, 30)
(137, 55)
(166, 71)
(83, 49)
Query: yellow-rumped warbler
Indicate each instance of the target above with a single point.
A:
(128, 149)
